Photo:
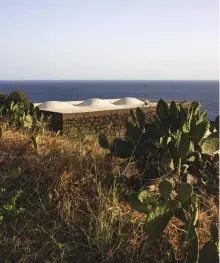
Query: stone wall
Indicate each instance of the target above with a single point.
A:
(109, 122)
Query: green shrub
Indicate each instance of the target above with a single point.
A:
(3, 97)
(19, 96)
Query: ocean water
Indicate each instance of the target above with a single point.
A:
(207, 92)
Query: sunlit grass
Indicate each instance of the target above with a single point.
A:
(72, 207)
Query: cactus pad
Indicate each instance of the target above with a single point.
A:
(199, 131)
(214, 232)
(184, 193)
(103, 141)
(209, 253)
(138, 203)
(211, 143)
(162, 110)
(141, 117)
(157, 221)
(122, 149)
(165, 189)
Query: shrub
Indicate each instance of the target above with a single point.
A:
(19, 96)
(3, 97)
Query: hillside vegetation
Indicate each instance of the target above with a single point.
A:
(151, 196)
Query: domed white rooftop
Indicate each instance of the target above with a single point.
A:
(55, 105)
(91, 105)
(129, 101)
(96, 103)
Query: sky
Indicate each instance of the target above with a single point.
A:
(109, 39)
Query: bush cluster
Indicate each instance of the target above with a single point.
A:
(19, 112)
(17, 96)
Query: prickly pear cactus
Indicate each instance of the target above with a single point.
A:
(192, 244)
(119, 148)
(157, 130)
(141, 117)
(214, 232)
(184, 193)
(157, 222)
(103, 141)
(165, 189)
(200, 117)
(28, 121)
(133, 132)
(211, 143)
(122, 149)
(142, 202)
(174, 117)
(35, 140)
(198, 131)
(209, 253)
(133, 117)
(184, 145)
(173, 110)
(162, 110)
(181, 142)
(32, 108)
(186, 118)
(212, 126)
(194, 211)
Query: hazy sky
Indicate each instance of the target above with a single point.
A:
(109, 39)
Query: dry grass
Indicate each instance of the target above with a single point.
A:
(72, 207)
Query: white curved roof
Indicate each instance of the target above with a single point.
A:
(91, 105)
(56, 105)
(128, 101)
(96, 103)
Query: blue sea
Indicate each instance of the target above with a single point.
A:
(207, 92)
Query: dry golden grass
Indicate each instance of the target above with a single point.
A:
(73, 208)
